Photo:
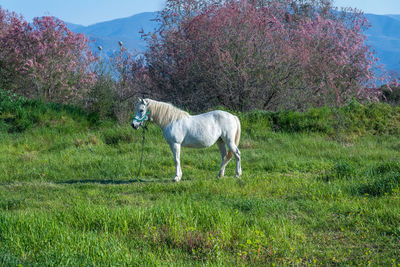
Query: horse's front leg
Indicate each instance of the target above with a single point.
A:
(176, 150)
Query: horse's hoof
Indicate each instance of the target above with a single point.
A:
(176, 179)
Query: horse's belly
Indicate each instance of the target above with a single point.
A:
(200, 136)
(198, 143)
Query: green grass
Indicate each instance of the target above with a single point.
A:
(304, 199)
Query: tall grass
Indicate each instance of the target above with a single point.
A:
(69, 194)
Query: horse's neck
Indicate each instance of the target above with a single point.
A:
(163, 114)
(155, 113)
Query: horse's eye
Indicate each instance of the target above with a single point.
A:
(141, 111)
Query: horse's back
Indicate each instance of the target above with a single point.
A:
(218, 118)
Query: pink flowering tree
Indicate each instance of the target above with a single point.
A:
(8, 23)
(44, 59)
(273, 54)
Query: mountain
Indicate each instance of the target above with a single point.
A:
(383, 36)
(107, 34)
(74, 27)
(395, 16)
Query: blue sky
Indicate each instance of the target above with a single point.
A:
(380, 7)
(83, 12)
(87, 12)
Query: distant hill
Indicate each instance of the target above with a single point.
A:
(383, 36)
(74, 27)
(107, 34)
(395, 16)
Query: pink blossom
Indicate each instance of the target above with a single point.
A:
(50, 60)
(242, 48)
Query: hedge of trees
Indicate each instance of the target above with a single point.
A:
(262, 54)
(240, 54)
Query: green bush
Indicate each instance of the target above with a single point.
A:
(352, 119)
(13, 113)
(313, 120)
(102, 98)
(256, 122)
(374, 118)
(391, 96)
(18, 114)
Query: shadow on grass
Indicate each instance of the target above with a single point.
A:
(111, 181)
(239, 181)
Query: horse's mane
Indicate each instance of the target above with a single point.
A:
(164, 113)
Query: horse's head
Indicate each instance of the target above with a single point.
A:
(142, 114)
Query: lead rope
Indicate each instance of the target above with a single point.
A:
(141, 153)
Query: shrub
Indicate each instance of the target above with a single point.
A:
(44, 59)
(13, 112)
(18, 114)
(312, 120)
(260, 54)
(101, 97)
(391, 96)
(352, 119)
(374, 118)
(256, 122)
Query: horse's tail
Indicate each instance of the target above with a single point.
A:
(238, 131)
(237, 137)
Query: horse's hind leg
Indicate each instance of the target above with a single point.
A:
(225, 157)
(236, 152)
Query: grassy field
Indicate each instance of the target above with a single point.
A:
(304, 198)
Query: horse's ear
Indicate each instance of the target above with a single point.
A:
(145, 102)
(140, 100)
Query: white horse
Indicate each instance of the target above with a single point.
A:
(181, 129)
